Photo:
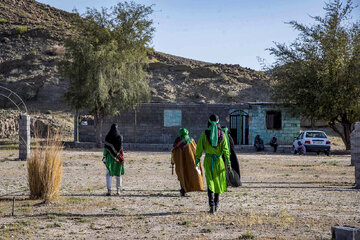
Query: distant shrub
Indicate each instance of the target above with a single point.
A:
(224, 77)
(56, 50)
(248, 235)
(60, 23)
(35, 53)
(214, 69)
(155, 60)
(21, 30)
(232, 94)
(3, 20)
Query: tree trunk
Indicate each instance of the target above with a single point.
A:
(312, 122)
(76, 126)
(135, 124)
(347, 132)
(99, 124)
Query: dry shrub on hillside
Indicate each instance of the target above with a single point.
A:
(45, 169)
(56, 50)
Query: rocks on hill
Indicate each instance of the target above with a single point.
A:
(40, 125)
(177, 79)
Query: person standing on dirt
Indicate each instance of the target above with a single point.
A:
(233, 177)
(183, 156)
(113, 158)
(213, 142)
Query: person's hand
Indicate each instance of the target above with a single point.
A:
(197, 161)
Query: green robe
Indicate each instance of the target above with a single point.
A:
(113, 166)
(214, 170)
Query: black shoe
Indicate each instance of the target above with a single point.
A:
(182, 192)
(212, 210)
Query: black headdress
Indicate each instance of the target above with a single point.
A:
(113, 142)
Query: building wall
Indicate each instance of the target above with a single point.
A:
(257, 124)
(151, 127)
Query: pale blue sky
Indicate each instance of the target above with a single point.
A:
(219, 31)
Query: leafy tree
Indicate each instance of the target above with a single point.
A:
(318, 75)
(105, 61)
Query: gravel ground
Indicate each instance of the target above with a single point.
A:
(282, 197)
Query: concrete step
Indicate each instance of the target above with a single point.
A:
(168, 147)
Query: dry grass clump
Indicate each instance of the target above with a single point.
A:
(56, 50)
(45, 169)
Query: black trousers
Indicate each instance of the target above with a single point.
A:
(213, 202)
(274, 145)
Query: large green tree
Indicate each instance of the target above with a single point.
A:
(318, 75)
(105, 60)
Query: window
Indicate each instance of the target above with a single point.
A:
(315, 135)
(172, 118)
(273, 120)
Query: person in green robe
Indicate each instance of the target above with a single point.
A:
(113, 158)
(213, 142)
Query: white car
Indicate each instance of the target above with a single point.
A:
(314, 141)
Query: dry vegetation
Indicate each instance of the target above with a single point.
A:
(283, 197)
(45, 169)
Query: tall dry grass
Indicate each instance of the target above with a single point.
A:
(45, 169)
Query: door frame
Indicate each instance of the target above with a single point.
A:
(242, 128)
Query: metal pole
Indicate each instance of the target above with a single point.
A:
(13, 207)
(76, 126)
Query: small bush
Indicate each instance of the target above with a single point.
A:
(3, 20)
(20, 30)
(186, 223)
(56, 50)
(155, 60)
(247, 235)
(209, 229)
(232, 94)
(45, 170)
(35, 53)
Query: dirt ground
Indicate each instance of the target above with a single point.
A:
(282, 197)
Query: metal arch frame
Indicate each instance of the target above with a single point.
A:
(11, 100)
(241, 112)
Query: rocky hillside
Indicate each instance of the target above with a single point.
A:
(176, 79)
(31, 42)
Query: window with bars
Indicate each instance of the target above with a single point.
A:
(273, 120)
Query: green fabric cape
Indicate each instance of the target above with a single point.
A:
(213, 132)
(114, 167)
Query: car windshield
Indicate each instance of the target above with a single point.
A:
(315, 135)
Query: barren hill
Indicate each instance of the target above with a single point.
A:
(31, 37)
